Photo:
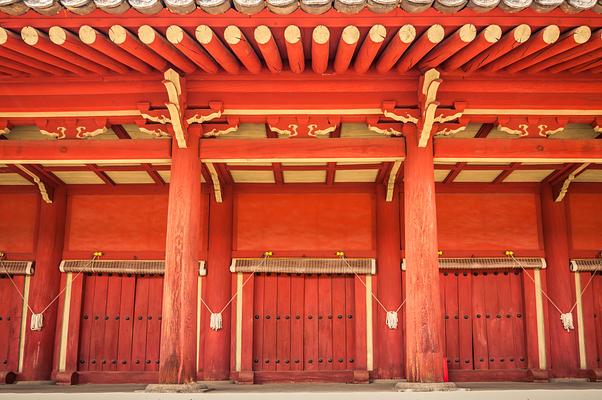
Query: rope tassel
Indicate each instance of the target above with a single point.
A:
(216, 321)
(392, 319)
(37, 322)
(567, 321)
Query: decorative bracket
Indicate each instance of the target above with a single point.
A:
(201, 115)
(215, 130)
(597, 125)
(560, 189)
(531, 126)
(303, 126)
(391, 181)
(386, 128)
(4, 129)
(429, 112)
(45, 192)
(72, 128)
(217, 188)
(176, 104)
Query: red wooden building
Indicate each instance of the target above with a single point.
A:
(300, 191)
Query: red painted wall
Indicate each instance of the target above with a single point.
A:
(18, 222)
(585, 221)
(116, 222)
(304, 221)
(489, 221)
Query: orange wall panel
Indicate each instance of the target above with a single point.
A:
(304, 221)
(491, 221)
(116, 222)
(18, 222)
(585, 221)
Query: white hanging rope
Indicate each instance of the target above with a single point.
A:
(565, 318)
(37, 319)
(392, 319)
(215, 321)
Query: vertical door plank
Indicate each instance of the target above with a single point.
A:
(99, 322)
(310, 351)
(465, 324)
(258, 322)
(111, 337)
(452, 318)
(153, 330)
(14, 310)
(140, 323)
(518, 318)
(297, 321)
(359, 317)
(269, 322)
(479, 324)
(87, 317)
(7, 291)
(283, 323)
(338, 322)
(325, 316)
(126, 323)
(493, 323)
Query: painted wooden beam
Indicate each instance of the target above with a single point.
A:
(486, 38)
(189, 47)
(427, 41)
(130, 43)
(163, 48)
(346, 48)
(450, 46)
(242, 49)
(268, 48)
(367, 52)
(282, 150)
(395, 49)
(294, 49)
(42, 152)
(320, 49)
(508, 42)
(541, 150)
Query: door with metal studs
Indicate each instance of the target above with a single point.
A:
(120, 322)
(304, 322)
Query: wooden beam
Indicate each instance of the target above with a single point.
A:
(486, 38)
(85, 151)
(429, 39)
(510, 150)
(268, 48)
(542, 39)
(8, 54)
(242, 49)
(189, 47)
(69, 41)
(587, 67)
(594, 43)
(216, 49)
(298, 150)
(569, 40)
(509, 41)
(11, 41)
(346, 48)
(367, 52)
(101, 174)
(120, 132)
(128, 42)
(100, 43)
(450, 46)
(395, 49)
(163, 48)
(320, 49)
(294, 49)
(153, 174)
(577, 62)
(14, 68)
(484, 130)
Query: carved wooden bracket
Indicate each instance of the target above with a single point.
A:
(217, 188)
(531, 126)
(561, 188)
(201, 115)
(72, 128)
(176, 105)
(4, 129)
(384, 128)
(157, 130)
(429, 113)
(45, 192)
(220, 129)
(597, 125)
(303, 126)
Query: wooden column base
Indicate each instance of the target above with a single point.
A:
(595, 375)
(361, 376)
(7, 377)
(538, 375)
(246, 378)
(67, 378)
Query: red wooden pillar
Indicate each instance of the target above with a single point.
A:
(564, 352)
(218, 287)
(424, 320)
(44, 286)
(389, 341)
(178, 338)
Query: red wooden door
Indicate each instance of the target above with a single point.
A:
(484, 319)
(11, 308)
(301, 322)
(121, 323)
(597, 317)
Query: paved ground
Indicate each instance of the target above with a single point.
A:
(381, 390)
